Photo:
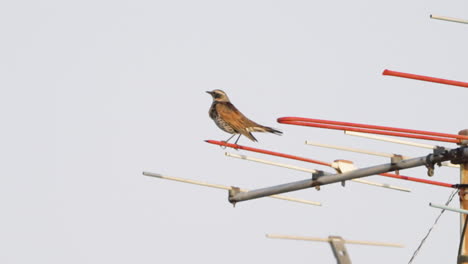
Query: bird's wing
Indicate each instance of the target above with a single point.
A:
(229, 113)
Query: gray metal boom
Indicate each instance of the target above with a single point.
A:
(455, 155)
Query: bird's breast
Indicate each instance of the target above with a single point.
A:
(219, 121)
(212, 112)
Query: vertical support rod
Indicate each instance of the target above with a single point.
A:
(339, 250)
(462, 259)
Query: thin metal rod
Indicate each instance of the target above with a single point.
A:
(387, 128)
(401, 177)
(451, 19)
(448, 208)
(244, 157)
(292, 167)
(388, 139)
(358, 173)
(389, 131)
(424, 78)
(160, 176)
(221, 143)
(383, 185)
(381, 154)
(278, 154)
(356, 242)
(218, 186)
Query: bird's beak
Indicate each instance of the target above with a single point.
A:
(210, 92)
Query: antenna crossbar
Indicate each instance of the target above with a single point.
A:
(389, 139)
(424, 78)
(268, 152)
(374, 153)
(381, 154)
(373, 129)
(229, 188)
(318, 239)
(427, 160)
(450, 19)
(391, 175)
(288, 166)
(448, 208)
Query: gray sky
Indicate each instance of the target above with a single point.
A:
(95, 92)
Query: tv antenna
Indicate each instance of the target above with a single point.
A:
(345, 170)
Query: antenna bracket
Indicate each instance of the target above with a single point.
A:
(395, 159)
(316, 175)
(459, 155)
(435, 158)
(339, 250)
(233, 191)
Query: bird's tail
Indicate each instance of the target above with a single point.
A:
(250, 136)
(264, 129)
(274, 131)
(259, 128)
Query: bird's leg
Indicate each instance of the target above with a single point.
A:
(226, 141)
(235, 143)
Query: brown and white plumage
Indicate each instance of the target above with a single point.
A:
(229, 119)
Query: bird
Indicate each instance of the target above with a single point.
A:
(229, 119)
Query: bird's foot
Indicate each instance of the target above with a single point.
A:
(223, 147)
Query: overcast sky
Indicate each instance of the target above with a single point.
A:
(95, 92)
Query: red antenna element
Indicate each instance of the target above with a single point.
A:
(442, 184)
(235, 146)
(424, 78)
(373, 129)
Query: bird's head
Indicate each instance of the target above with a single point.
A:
(219, 95)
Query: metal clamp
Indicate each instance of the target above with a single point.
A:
(436, 154)
(339, 250)
(460, 155)
(316, 175)
(395, 159)
(430, 166)
(233, 191)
